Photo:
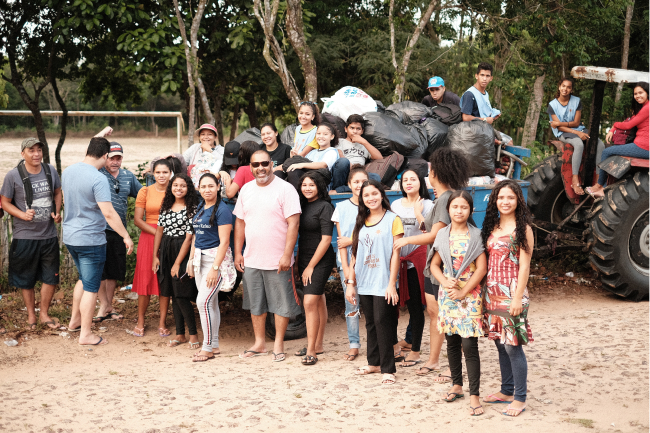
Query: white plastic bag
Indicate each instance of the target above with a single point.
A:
(347, 101)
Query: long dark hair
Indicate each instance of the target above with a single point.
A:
(569, 79)
(464, 195)
(364, 211)
(191, 197)
(493, 219)
(334, 141)
(246, 150)
(216, 205)
(636, 107)
(321, 187)
(314, 109)
(164, 162)
(272, 126)
(423, 192)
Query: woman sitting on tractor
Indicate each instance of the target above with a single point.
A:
(637, 149)
(565, 112)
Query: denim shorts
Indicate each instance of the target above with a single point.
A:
(89, 261)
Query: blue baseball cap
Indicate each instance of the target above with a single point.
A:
(435, 82)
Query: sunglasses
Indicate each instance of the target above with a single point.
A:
(116, 186)
(262, 163)
(307, 102)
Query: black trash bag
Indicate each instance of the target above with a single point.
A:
(436, 135)
(409, 111)
(251, 134)
(476, 140)
(388, 135)
(289, 134)
(380, 106)
(335, 121)
(419, 134)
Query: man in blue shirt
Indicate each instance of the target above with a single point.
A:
(475, 102)
(88, 208)
(123, 184)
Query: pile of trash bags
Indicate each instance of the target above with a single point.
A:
(476, 140)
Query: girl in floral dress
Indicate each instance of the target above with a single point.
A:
(459, 264)
(508, 238)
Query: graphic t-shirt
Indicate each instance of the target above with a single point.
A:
(42, 225)
(265, 210)
(280, 154)
(305, 138)
(355, 152)
(329, 156)
(83, 222)
(207, 236)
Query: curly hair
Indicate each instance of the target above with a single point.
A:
(191, 197)
(423, 191)
(334, 141)
(321, 187)
(522, 215)
(450, 167)
(364, 211)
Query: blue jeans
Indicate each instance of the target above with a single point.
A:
(340, 173)
(352, 321)
(629, 149)
(514, 370)
(89, 261)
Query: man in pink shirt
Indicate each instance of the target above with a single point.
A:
(268, 215)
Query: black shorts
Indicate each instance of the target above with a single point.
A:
(430, 288)
(32, 260)
(115, 265)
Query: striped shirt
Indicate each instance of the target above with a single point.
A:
(128, 186)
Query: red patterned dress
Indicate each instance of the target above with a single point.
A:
(503, 270)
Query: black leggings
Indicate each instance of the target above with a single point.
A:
(472, 361)
(183, 314)
(381, 327)
(416, 312)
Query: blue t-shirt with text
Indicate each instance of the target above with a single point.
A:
(207, 236)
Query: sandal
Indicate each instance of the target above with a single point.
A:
(496, 400)
(362, 371)
(456, 395)
(594, 194)
(518, 411)
(439, 378)
(32, 326)
(164, 332)
(174, 343)
(77, 329)
(138, 332)
(113, 315)
(55, 324)
(202, 358)
(423, 371)
(410, 363)
(309, 360)
(389, 379)
(100, 319)
(195, 345)
(577, 188)
(350, 356)
(474, 410)
(279, 357)
(399, 356)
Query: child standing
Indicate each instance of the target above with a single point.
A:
(508, 238)
(375, 264)
(345, 216)
(458, 248)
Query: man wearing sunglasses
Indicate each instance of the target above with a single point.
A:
(268, 215)
(123, 184)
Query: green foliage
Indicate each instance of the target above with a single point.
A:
(4, 98)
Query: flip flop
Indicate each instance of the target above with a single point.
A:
(279, 357)
(195, 345)
(112, 316)
(474, 410)
(350, 357)
(456, 395)
(164, 332)
(32, 326)
(174, 343)
(3, 330)
(429, 370)
(448, 378)
(414, 363)
(77, 329)
(100, 319)
(138, 334)
(51, 322)
(309, 360)
(362, 371)
(496, 400)
(99, 343)
(519, 411)
(390, 380)
(254, 353)
(301, 352)
(197, 358)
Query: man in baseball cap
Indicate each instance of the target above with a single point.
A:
(438, 94)
(123, 184)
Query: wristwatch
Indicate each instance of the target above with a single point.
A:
(215, 267)
(350, 282)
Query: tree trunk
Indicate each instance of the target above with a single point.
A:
(391, 23)
(235, 122)
(296, 35)
(251, 111)
(218, 113)
(64, 124)
(400, 72)
(462, 21)
(532, 116)
(626, 47)
(191, 89)
(274, 55)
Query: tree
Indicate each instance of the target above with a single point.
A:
(626, 46)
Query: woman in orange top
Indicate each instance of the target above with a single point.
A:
(145, 282)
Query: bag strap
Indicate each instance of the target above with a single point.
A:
(27, 184)
(48, 175)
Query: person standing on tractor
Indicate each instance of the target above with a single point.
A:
(565, 113)
(637, 149)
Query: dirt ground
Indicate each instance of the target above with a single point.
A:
(136, 150)
(588, 369)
